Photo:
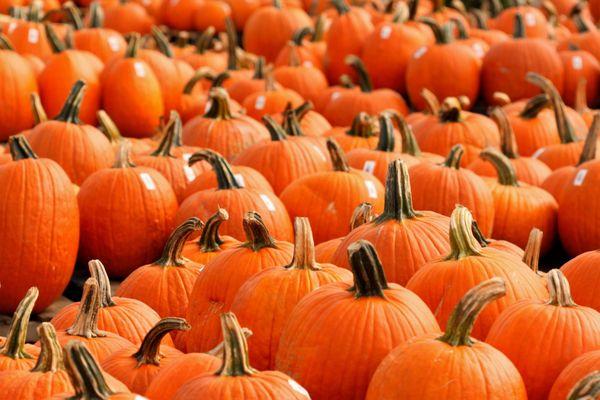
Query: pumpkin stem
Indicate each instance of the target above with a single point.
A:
(532, 249)
(200, 74)
(463, 242)
(98, 272)
(225, 177)
(204, 41)
(413, 7)
(480, 19)
(507, 136)
(219, 350)
(580, 23)
(235, 356)
(162, 43)
(586, 389)
(369, 276)
(303, 109)
(301, 34)
(257, 234)
(17, 333)
(96, 15)
(291, 124)
(85, 324)
(443, 33)
(70, 110)
(519, 31)
(19, 148)
(108, 127)
(149, 351)
(501, 99)
(461, 29)
(35, 12)
(478, 235)
(346, 82)
(462, 319)
(319, 30)
(85, 374)
(398, 198)
(337, 155)
(581, 96)
(362, 214)
(432, 104)
(5, 43)
(340, 6)
(173, 129)
(232, 43)
(275, 130)
(364, 79)
(171, 255)
(55, 43)
(259, 69)
(454, 156)
(210, 240)
(123, 160)
(39, 114)
(409, 141)
(362, 126)
(387, 140)
(450, 110)
(133, 45)
(401, 13)
(560, 291)
(591, 141)
(51, 354)
(534, 106)
(219, 107)
(506, 171)
(304, 246)
(565, 129)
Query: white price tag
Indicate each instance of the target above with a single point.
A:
(298, 388)
(371, 189)
(580, 177)
(260, 102)
(114, 43)
(307, 64)
(190, 175)
(478, 49)
(577, 62)
(186, 156)
(33, 35)
(239, 178)
(385, 32)
(268, 202)
(538, 152)
(140, 69)
(335, 95)
(148, 181)
(420, 51)
(530, 19)
(12, 26)
(369, 166)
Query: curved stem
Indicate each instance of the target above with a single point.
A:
(171, 255)
(398, 198)
(149, 351)
(501, 99)
(580, 23)
(508, 144)
(108, 127)
(387, 140)
(340, 6)
(85, 374)
(204, 41)
(462, 241)
(96, 15)
(369, 276)
(167, 142)
(462, 319)
(98, 272)
(201, 73)
(17, 333)
(219, 350)
(532, 249)
(304, 246)
(39, 114)
(519, 31)
(454, 156)
(586, 389)
(275, 130)
(460, 27)
(232, 43)
(219, 107)
(591, 142)
(362, 214)
(51, 354)
(5, 43)
(450, 110)
(85, 324)
(478, 235)
(20, 149)
(432, 104)
(409, 141)
(534, 106)
(506, 171)
(319, 30)
(133, 45)
(443, 34)
(162, 43)
(338, 158)
(55, 43)
(364, 79)
(225, 177)
(291, 124)
(235, 356)
(560, 291)
(480, 19)
(70, 110)
(123, 160)
(257, 234)
(210, 240)
(362, 126)
(301, 34)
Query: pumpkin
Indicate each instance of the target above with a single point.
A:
(15, 355)
(222, 130)
(284, 159)
(580, 271)
(172, 276)
(581, 103)
(454, 185)
(326, 325)
(211, 13)
(274, 292)
(585, 36)
(341, 110)
(579, 64)
(305, 79)
(203, 54)
(535, 23)
(299, 50)
(360, 134)
(115, 313)
(193, 99)
(347, 35)
(576, 371)
(125, 240)
(143, 100)
(443, 282)
(498, 244)
(236, 377)
(85, 326)
(576, 331)
(47, 378)
(311, 122)
(458, 77)
(479, 46)
(105, 43)
(222, 277)
(506, 64)
(29, 36)
(270, 100)
(242, 88)
(80, 149)
(482, 31)
(138, 369)
(54, 202)
(529, 170)
(454, 363)
(329, 210)
(15, 114)
(452, 126)
(128, 17)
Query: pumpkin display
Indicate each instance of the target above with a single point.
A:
(275, 291)
(576, 371)
(329, 211)
(222, 277)
(579, 65)
(54, 202)
(393, 313)
(299, 50)
(125, 240)
(448, 360)
(104, 42)
(575, 329)
(443, 282)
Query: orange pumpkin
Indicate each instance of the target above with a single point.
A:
(305, 79)
(300, 51)
(211, 13)
(360, 134)
(270, 100)
(242, 88)
(204, 55)
(579, 64)
(29, 36)
(576, 371)
(479, 46)
(581, 273)
(482, 31)
(535, 24)
(105, 43)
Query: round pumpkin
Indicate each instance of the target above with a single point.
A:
(576, 371)
(105, 43)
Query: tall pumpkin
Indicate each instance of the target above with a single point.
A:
(40, 228)
(329, 326)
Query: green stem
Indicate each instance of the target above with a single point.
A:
(560, 292)
(340, 6)
(167, 142)
(519, 28)
(209, 240)
(17, 332)
(587, 388)
(442, 34)
(70, 110)
(454, 156)
(149, 351)
(171, 255)
(369, 276)
(205, 40)
(483, 242)
(201, 73)
(232, 43)
(398, 197)
(364, 79)
(96, 15)
(409, 141)
(51, 354)
(257, 234)
(534, 106)
(507, 175)
(259, 69)
(55, 43)
(236, 361)
(580, 23)
(225, 178)
(319, 30)
(219, 105)
(387, 141)
(275, 130)
(133, 45)
(218, 80)
(20, 149)
(291, 124)
(162, 43)
(480, 19)
(462, 241)
(338, 158)
(5, 43)
(460, 27)
(508, 143)
(301, 34)
(591, 142)
(304, 246)
(85, 374)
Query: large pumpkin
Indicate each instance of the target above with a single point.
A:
(105, 43)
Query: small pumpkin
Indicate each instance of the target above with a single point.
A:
(300, 50)
(242, 88)
(270, 100)
(28, 36)
(576, 371)
(535, 26)
(104, 42)
(211, 13)
(127, 17)
(305, 79)
(360, 134)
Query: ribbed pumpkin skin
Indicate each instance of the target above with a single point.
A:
(178, 372)
(341, 110)
(80, 150)
(575, 371)
(560, 155)
(39, 231)
(123, 223)
(324, 251)
(34, 385)
(583, 276)
(19, 34)
(557, 182)
(532, 134)
(19, 364)
(208, 180)
(100, 347)
(322, 345)
(442, 284)
(18, 81)
(103, 42)
(420, 369)
(541, 340)
(217, 286)
(529, 170)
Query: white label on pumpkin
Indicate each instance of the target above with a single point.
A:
(369, 166)
(478, 49)
(174, 2)
(580, 177)
(140, 70)
(189, 173)
(319, 152)
(186, 156)
(371, 189)
(530, 19)
(538, 152)
(385, 32)
(114, 43)
(33, 35)
(335, 95)
(298, 388)
(577, 62)
(12, 26)
(148, 181)
(207, 106)
(260, 102)
(419, 53)
(307, 64)
(268, 202)
(239, 178)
